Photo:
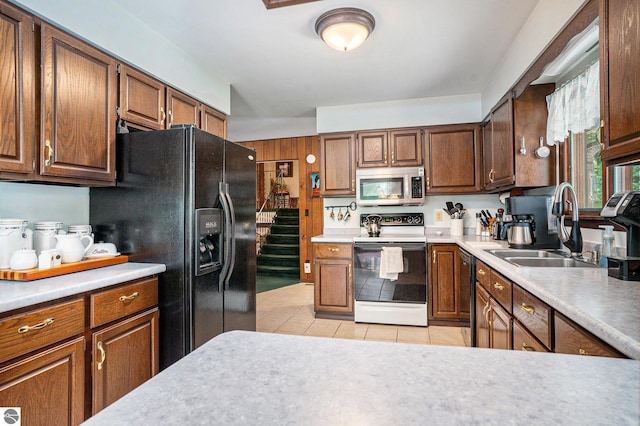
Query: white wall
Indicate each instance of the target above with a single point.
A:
(547, 19)
(433, 204)
(109, 26)
(40, 203)
(406, 113)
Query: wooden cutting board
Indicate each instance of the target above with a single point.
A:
(65, 268)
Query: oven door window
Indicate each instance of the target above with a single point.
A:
(411, 285)
(382, 189)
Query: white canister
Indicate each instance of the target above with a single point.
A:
(44, 235)
(457, 227)
(23, 259)
(14, 235)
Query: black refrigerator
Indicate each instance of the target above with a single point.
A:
(186, 198)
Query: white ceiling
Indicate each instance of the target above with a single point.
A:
(279, 68)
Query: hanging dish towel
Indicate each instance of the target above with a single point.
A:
(391, 263)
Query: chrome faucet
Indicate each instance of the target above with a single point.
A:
(571, 239)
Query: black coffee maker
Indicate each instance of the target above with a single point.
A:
(531, 226)
(623, 208)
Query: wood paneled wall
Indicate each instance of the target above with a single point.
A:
(311, 217)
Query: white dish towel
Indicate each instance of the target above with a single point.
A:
(391, 263)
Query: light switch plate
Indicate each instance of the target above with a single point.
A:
(438, 216)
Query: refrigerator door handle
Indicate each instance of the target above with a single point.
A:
(224, 202)
(231, 235)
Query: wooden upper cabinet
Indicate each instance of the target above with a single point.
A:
(514, 122)
(499, 167)
(405, 146)
(395, 148)
(453, 159)
(142, 98)
(17, 95)
(337, 164)
(213, 121)
(530, 123)
(79, 97)
(620, 78)
(181, 109)
(486, 152)
(372, 149)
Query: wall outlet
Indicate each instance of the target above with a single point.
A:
(438, 216)
(307, 267)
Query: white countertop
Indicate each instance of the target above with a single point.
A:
(19, 294)
(254, 378)
(605, 306)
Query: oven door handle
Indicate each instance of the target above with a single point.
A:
(378, 246)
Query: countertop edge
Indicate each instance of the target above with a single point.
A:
(21, 294)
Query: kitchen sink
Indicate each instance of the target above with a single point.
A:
(549, 262)
(539, 258)
(525, 253)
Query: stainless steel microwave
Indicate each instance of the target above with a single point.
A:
(390, 186)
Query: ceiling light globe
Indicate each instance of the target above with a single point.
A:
(346, 28)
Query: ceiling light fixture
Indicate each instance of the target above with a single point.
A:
(345, 28)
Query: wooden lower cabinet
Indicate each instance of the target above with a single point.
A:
(448, 293)
(493, 322)
(47, 386)
(524, 341)
(333, 286)
(570, 338)
(125, 355)
(47, 369)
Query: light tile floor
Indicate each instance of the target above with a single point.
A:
(289, 310)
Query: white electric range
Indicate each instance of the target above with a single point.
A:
(386, 299)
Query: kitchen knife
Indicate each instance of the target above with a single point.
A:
(450, 207)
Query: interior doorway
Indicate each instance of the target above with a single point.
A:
(278, 184)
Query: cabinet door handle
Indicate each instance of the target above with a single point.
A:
(333, 250)
(528, 309)
(498, 286)
(582, 352)
(353, 184)
(48, 153)
(428, 184)
(527, 348)
(486, 310)
(170, 118)
(163, 116)
(492, 173)
(38, 326)
(103, 356)
(130, 297)
(481, 272)
(433, 255)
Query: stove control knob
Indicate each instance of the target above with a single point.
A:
(417, 219)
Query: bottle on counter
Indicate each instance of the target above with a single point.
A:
(606, 249)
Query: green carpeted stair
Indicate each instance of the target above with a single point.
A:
(280, 255)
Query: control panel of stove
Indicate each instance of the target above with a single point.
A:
(393, 219)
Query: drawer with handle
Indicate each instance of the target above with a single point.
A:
(483, 274)
(35, 329)
(119, 302)
(570, 338)
(500, 288)
(524, 341)
(338, 251)
(534, 314)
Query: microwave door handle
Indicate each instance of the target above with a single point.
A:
(226, 251)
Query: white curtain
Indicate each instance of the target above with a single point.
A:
(575, 106)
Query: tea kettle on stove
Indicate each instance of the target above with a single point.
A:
(372, 222)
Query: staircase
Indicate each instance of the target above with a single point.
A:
(280, 254)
